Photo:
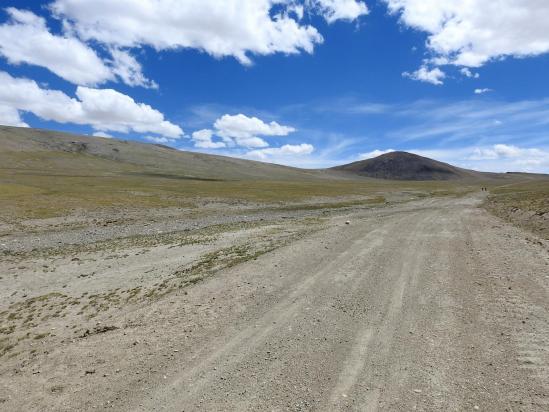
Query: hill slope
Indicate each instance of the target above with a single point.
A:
(51, 152)
(33, 149)
(407, 166)
(46, 174)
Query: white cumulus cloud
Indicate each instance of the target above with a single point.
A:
(221, 28)
(10, 117)
(102, 134)
(245, 131)
(203, 139)
(494, 158)
(159, 139)
(25, 38)
(473, 32)
(285, 150)
(374, 153)
(434, 76)
(129, 70)
(499, 151)
(468, 73)
(483, 91)
(334, 10)
(107, 109)
(97, 38)
(103, 109)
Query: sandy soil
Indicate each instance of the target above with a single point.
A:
(429, 305)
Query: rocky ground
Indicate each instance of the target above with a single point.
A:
(432, 304)
(535, 220)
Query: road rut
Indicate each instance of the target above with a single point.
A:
(429, 305)
(434, 307)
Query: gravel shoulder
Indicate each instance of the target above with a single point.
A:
(430, 305)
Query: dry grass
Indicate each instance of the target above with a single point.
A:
(525, 204)
(530, 196)
(50, 174)
(42, 195)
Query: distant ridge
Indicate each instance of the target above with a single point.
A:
(407, 166)
(47, 151)
(50, 151)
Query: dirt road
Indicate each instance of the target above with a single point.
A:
(433, 305)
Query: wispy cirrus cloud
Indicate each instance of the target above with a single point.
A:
(468, 121)
(493, 158)
(456, 131)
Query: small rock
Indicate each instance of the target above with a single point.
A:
(348, 222)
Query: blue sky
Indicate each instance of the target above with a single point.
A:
(310, 83)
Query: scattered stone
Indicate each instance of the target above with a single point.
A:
(97, 330)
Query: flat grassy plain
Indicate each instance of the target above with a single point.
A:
(46, 174)
(35, 194)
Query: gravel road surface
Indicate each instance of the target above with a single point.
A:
(431, 305)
